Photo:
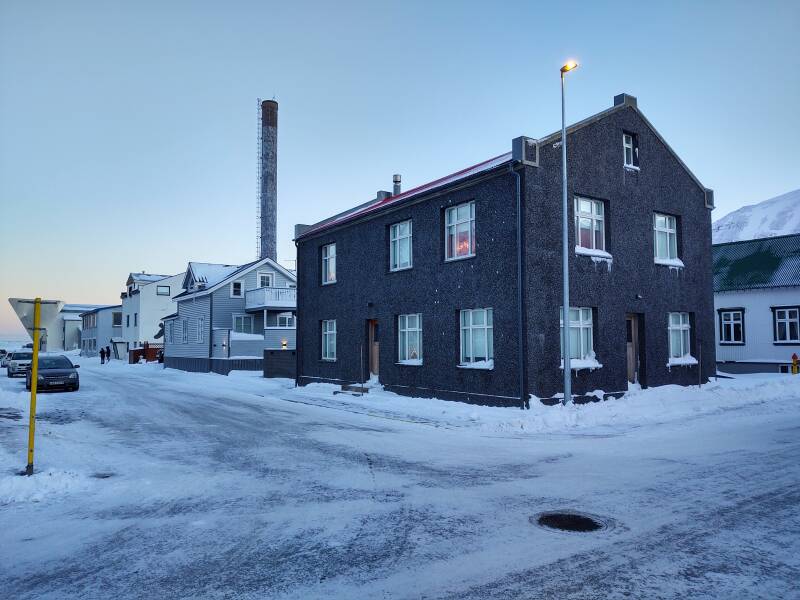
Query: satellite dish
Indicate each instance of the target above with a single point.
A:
(24, 309)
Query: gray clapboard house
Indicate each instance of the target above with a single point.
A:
(229, 314)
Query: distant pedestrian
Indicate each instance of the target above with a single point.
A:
(102, 355)
(108, 353)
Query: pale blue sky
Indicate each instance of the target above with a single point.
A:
(128, 130)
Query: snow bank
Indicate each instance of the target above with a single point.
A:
(47, 485)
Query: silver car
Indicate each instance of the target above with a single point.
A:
(19, 363)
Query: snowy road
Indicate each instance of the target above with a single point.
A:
(160, 484)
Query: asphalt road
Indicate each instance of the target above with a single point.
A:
(222, 493)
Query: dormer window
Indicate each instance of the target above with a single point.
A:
(630, 147)
(236, 289)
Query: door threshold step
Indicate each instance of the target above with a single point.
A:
(358, 389)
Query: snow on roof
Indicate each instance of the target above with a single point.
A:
(99, 308)
(374, 205)
(71, 317)
(211, 274)
(773, 217)
(147, 277)
(81, 308)
(752, 264)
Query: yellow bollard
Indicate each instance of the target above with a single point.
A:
(37, 313)
(795, 367)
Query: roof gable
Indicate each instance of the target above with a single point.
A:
(213, 276)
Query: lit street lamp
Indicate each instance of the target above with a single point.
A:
(569, 66)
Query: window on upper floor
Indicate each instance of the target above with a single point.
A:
(236, 289)
(135, 319)
(460, 231)
(266, 279)
(731, 326)
(581, 333)
(243, 323)
(787, 324)
(665, 239)
(400, 246)
(590, 229)
(679, 329)
(630, 148)
(477, 338)
(127, 320)
(162, 290)
(328, 340)
(116, 319)
(409, 337)
(329, 264)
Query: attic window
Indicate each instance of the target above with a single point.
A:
(236, 289)
(630, 146)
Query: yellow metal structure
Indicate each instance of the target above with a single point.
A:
(37, 315)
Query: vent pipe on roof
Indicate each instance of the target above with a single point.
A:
(396, 180)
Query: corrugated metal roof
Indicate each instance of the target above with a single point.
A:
(762, 263)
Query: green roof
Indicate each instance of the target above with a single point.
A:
(762, 263)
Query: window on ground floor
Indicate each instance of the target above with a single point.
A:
(787, 324)
(731, 326)
(581, 333)
(329, 340)
(185, 331)
(243, 323)
(679, 335)
(477, 336)
(201, 329)
(286, 320)
(409, 336)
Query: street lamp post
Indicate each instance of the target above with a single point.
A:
(569, 66)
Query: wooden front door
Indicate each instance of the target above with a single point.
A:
(632, 344)
(374, 347)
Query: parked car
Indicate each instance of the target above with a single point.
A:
(29, 345)
(55, 372)
(7, 357)
(19, 362)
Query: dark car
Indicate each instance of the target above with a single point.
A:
(55, 372)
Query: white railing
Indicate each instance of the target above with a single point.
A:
(271, 297)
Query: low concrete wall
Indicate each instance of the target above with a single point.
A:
(221, 366)
(280, 363)
(741, 368)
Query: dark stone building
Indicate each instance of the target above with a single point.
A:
(438, 291)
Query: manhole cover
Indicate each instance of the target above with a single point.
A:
(568, 521)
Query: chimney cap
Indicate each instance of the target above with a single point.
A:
(625, 99)
(396, 178)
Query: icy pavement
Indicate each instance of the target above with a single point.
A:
(162, 484)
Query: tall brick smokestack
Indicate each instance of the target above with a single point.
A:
(269, 179)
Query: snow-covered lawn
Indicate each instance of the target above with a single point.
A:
(155, 483)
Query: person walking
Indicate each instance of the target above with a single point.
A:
(108, 354)
(102, 355)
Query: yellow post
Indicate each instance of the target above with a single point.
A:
(37, 313)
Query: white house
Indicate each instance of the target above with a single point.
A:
(757, 302)
(147, 299)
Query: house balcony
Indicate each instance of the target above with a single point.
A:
(265, 298)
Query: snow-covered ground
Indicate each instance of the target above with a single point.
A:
(155, 483)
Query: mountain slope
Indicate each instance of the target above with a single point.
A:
(777, 216)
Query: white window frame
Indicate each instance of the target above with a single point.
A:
(168, 332)
(728, 319)
(328, 330)
(291, 323)
(786, 315)
(395, 239)
(407, 326)
(468, 329)
(185, 331)
(452, 222)
(201, 326)
(596, 218)
(584, 324)
(685, 328)
(161, 287)
(243, 318)
(670, 229)
(241, 289)
(328, 259)
(629, 143)
(269, 274)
